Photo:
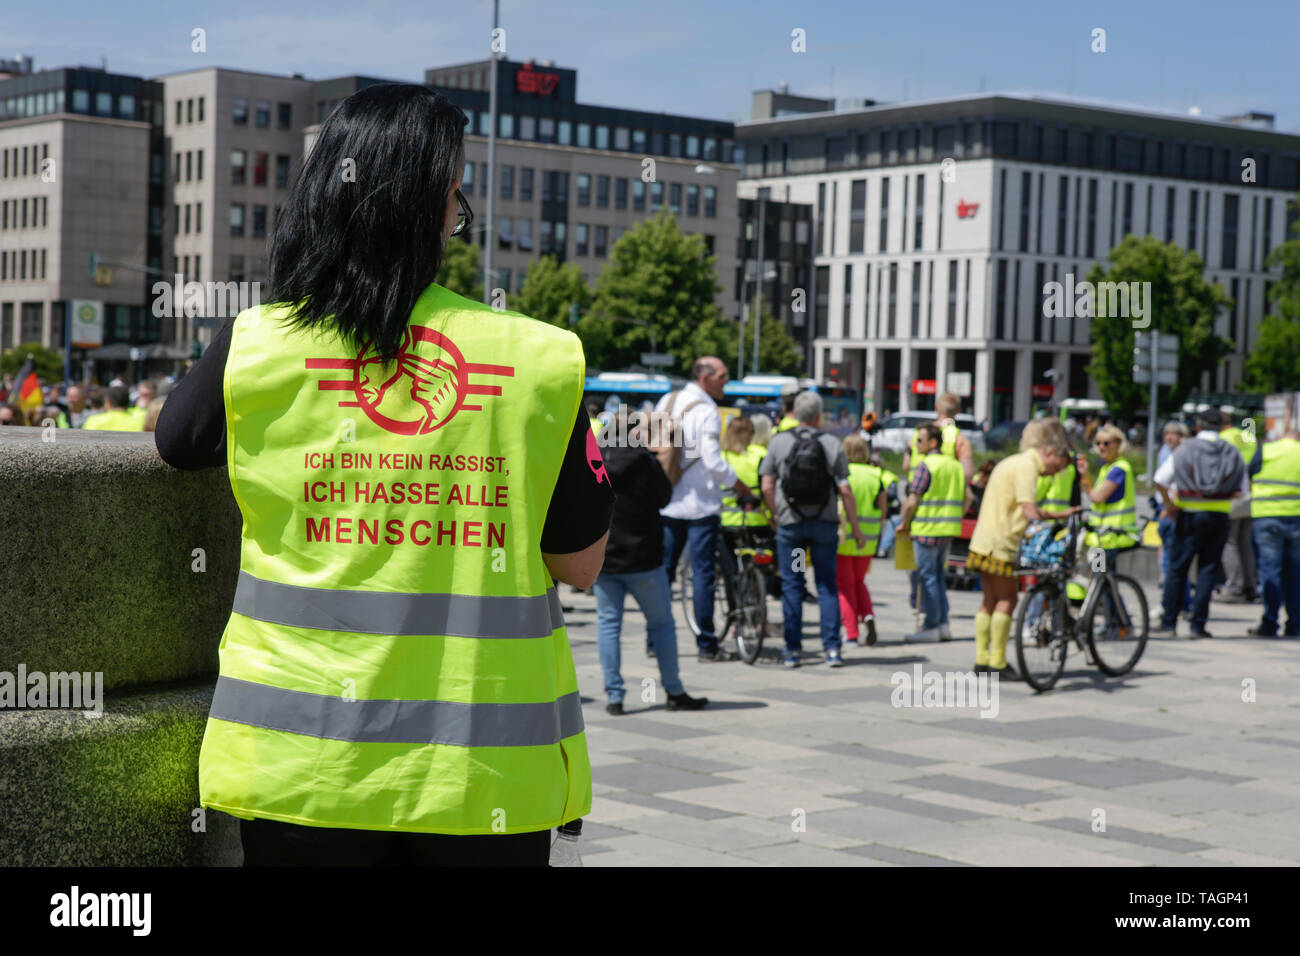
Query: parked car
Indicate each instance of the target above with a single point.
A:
(896, 431)
(1005, 436)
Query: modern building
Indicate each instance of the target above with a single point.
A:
(938, 223)
(787, 264)
(81, 173)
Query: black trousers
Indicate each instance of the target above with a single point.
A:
(272, 843)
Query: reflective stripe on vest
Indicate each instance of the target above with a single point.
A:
(1189, 501)
(1055, 491)
(396, 658)
(1119, 514)
(1275, 490)
(446, 722)
(745, 465)
(865, 481)
(939, 513)
(389, 612)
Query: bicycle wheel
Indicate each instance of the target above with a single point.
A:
(1039, 626)
(750, 613)
(1117, 628)
(721, 588)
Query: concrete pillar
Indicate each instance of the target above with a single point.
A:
(983, 384)
(45, 322)
(942, 366)
(1020, 399)
(905, 375)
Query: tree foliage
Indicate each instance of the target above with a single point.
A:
(778, 353)
(1273, 362)
(549, 291)
(1181, 302)
(47, 362)
(460, 271)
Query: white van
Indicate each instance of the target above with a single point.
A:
(896, 431)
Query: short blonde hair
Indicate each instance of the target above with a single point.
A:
(152, 411)
(1112, 432)
(1040, 430)
(739, 432)
(762, 429)
(857, 450)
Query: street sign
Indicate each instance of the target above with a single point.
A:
(87, 323)
(1167, 341)
(1164, 360)
(661, 359)
(1164, 375)
(959, 383)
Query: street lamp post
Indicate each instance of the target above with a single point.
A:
(763, 194)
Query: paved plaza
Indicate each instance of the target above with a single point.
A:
(815, 766)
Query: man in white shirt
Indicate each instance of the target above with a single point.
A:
(694, 515)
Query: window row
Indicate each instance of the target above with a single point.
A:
(261, 113)
(18, 161)
(555, 187)
(562, 132)
(125, 106)
(188, 114)
(30, 213)
(193, 168)
(239, 168)
(19, 264)
(181, 224)
(183, 265)
(259, 223)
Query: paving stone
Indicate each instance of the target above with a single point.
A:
(878, 754)
(708, 834)
(641, 849)
(1126, 835)
(804, 854)
(667, 805)
(980, 789)
(906, 805)
(592, 830)
(681, 761)
(890, 854)
(1059, 728)
(654, 728)
(655, 778)
(1106, 774)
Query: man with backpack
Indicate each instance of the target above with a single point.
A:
(1199, 481)
(801, 475)
(699, 473)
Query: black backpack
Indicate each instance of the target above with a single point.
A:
(806, 475)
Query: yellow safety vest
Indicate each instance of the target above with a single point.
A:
(596, 425)
(1236, 438)
(1119, 514)
(745, 465)
(1054, 491)
(114, 420)
(949, 447)
(939, 513)
(1275, 490)
(787, 423)
(865, 481)
(396, 657)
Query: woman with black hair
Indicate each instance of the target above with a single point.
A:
(413, 469)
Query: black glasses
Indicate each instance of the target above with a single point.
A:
(466, 215)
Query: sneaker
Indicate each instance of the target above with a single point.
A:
(685, 701)
(983, 669)
(945, 632)
(1199, 633)
(1233, 597)
(925, 634)
(1259, 630)
(1163, 630)
(871, 631)
(1005, 673)
(615, 708)
(790, 660)
(833, 659)
(717, 656)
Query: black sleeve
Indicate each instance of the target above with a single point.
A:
(191, 429)
(659, 488)
(1256, 461)
(583, 499)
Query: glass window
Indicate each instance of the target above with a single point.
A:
(525, 238)
(622, 138)
(262, 114)
(238, 166)
(675, 198)
(546, 130)
(201, 99)
(484, 122)
(602, 137)
(657, 143)
(189, 110)
(281, 171)
(189, 166)
(198, 217)
(505, 232)
(584, 134)
(584, 189)
(103, 104)
(566, 133)
(236, 219)
(638, 195)
(602, 191)
(711, 201)
(620, 193)
(78, 94)
(126, 106)
(693, 200)
(638, 140)
(507, 182)
(237, 269)
(528, 127)
(198, 165)
(545, 238)
(506, 124)
(692, 147)
(260, 163)
(674, 144)
(602, 241)
(485, 180)
(711, 149)
(467, 180)
(239, 112)
(284, 115)
(656, 196)
(526, 184)
(580, 239)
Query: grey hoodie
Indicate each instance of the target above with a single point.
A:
(1210, 469)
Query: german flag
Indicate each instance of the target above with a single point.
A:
(26, 393)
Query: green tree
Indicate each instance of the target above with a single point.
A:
(47, 362)
(658, 276)
(460, 271)
(778, 353)
(1181, 302)
(1273, 364)
(549, 291)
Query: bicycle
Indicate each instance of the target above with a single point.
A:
(1112, 621)
(740, 593)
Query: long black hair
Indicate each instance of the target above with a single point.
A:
(360, 236)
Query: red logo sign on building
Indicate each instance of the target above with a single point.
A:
(429, 385)
(528, 80)
(925, 386)
(966, 210)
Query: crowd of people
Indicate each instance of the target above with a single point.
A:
(118, 406)
(831, 506)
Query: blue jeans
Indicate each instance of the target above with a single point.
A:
(1198, 535)
(888, 529)
(1166, 528)
(701, 535)
(650, 591)
(821, 538)
(1278, 542)
(931, 561)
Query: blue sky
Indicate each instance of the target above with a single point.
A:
(703, 58)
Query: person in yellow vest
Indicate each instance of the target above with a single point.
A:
(1114, 497)
(415, 470)
(744, 457)
(936, 500)
(955, 445)
(117, 417)
(1010, 502)
(1198, 483)
(852, 560)
(1059, 491)
(1275, 516)
(1239, 578)
(788, 394)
